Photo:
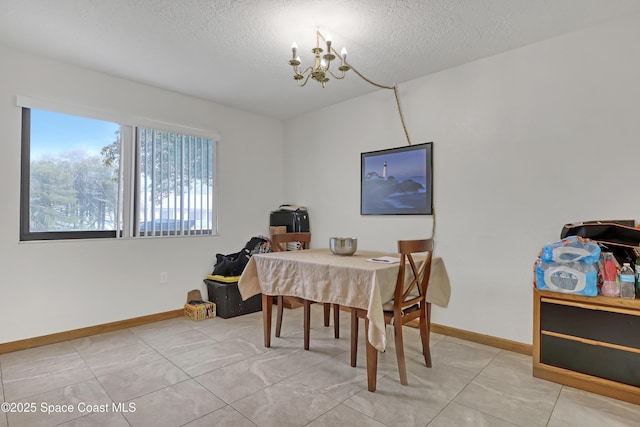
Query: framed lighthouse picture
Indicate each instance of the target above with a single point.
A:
(397, 181)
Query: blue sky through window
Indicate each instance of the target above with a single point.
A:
(54, 133)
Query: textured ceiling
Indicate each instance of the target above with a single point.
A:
(236, 52)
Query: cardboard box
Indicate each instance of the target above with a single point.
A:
(197, 309)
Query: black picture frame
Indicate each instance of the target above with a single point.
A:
(397, 181)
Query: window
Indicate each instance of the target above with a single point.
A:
(68, 189)
(88, 178)
(175, 183)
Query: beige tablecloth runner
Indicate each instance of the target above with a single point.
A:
(352, 281)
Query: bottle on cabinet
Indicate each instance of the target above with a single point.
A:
(627, 281)
(638, 276)
(610, 286)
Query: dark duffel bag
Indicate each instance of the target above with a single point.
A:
(234, 264)
(619, 237)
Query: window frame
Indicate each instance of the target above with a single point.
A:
(25, 197)
(128, 174)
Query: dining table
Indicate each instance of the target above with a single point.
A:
(365, 280)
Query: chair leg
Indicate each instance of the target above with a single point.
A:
(327, 309)
(280, 303)
(354, 336)
(336, 321)
(425, 333)
(307, 323)
(402, 366)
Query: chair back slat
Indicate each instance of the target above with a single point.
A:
(413, 278)
(283, 238)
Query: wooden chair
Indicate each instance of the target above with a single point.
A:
(408, 303)
(279, 243)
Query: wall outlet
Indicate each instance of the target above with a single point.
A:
(164, 278)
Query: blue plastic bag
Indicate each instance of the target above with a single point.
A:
(571, 249)
(570, 278)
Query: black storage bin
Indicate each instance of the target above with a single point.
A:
(228, 301)
(296, 221)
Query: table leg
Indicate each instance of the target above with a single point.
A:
(327, 314)
(336, 320)
(307, 323)
(372, 360)
(354, 337)
(267, 307)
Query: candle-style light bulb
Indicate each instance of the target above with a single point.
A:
(323, 64)
(328, 40)
(294, 49)
(343, 54)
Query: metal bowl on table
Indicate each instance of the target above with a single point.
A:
(343, 245)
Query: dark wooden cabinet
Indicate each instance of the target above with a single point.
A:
(591, 343)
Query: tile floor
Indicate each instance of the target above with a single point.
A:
(218, 373)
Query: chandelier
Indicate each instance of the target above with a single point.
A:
(321, 70)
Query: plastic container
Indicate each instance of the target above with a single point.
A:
(627, 281)
(610, 286)
(638, 276)
(571, 249)
(571, 278)
(223, 291)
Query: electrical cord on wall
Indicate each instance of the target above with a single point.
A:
(404, 126)
(394, 88)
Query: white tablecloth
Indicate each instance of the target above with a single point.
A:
(352, 281)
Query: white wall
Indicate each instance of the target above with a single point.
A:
(525, 142)
(49, 287)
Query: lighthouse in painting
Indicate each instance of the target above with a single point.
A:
(384, 170)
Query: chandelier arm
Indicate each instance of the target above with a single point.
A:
(306, 70)
(305, 80)
(337, 77)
